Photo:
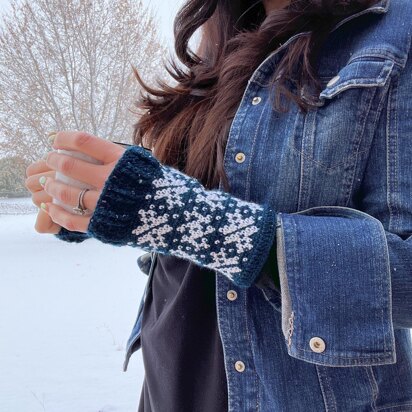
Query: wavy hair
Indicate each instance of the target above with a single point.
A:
(187, 124)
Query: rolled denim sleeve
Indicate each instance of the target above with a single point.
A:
(335, 285)
(346, 273)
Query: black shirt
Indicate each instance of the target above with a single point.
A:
(181, 347)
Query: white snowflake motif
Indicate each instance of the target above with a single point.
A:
(171, 187)
(213, 199)
(153, 228)
(239, 230)
(242, 239)
(254, 207)
(225, 264)
(185, 255)
(195, 229)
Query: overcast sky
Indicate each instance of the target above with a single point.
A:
(164, 9)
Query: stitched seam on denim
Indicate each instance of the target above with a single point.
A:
(389, 307)
(385, 346)
(375, 124)
(224, 347)
(281, 251)
(385, 55)
(349, 85)
(248, 340)
(388, 179)
(341, 363)
(321, 164)
(395, 155)
(310, 158)
(306, 167)
(395, 405)
(298, 293)
(386, 355)
(388, 198)
(326, 389)
(324, 396)
(309, 134)
(295, 284)
(373, 385)
(360, 125)
(354, 213)
(361, 132)
(234, 132)
(301, 194)
(248, 173)
(350, 82)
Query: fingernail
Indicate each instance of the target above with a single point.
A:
(43, 206)
(51, 137)
(42, 180)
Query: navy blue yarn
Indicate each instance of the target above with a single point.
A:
(126, 192)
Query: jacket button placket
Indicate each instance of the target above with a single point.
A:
(231, 301)
(239, 363)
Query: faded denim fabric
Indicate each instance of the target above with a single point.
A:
(336, 336)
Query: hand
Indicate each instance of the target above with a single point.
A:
(95, 175)
(44, 223)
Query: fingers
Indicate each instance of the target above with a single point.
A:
(40, 197)
(32, 182)
(37, 167)
(44, 223)
(69, 195)
(77, 169)
(68, 220)
(100, 149)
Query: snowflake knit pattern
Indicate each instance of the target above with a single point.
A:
(158, 208)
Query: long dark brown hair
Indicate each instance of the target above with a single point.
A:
(187, 124)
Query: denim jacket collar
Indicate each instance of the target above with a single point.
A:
(380, 7)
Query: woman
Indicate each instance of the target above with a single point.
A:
(286, 143)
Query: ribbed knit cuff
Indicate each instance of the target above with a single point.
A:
(71, 236)
(123, 194)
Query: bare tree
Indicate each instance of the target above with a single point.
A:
(67, 65)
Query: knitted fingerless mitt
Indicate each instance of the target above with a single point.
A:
(71, 236)
(157, 208)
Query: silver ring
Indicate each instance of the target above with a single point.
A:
(80, 209)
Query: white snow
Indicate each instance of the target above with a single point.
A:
(66, 312)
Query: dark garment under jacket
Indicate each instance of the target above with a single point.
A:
(181, 346)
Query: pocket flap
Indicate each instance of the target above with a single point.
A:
(359, 73)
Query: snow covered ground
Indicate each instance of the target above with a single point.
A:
(66, 311)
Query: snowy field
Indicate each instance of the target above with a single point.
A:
(66, 311)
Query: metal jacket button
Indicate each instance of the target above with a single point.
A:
(256, 100)
(231, 295)
(239, 366)
(240, 157)
(317, 344)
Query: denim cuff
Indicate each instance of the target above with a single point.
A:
(335, 287)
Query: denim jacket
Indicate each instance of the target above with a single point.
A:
(336, 335)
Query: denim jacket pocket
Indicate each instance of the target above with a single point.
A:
(336, 132)
(361, 72)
